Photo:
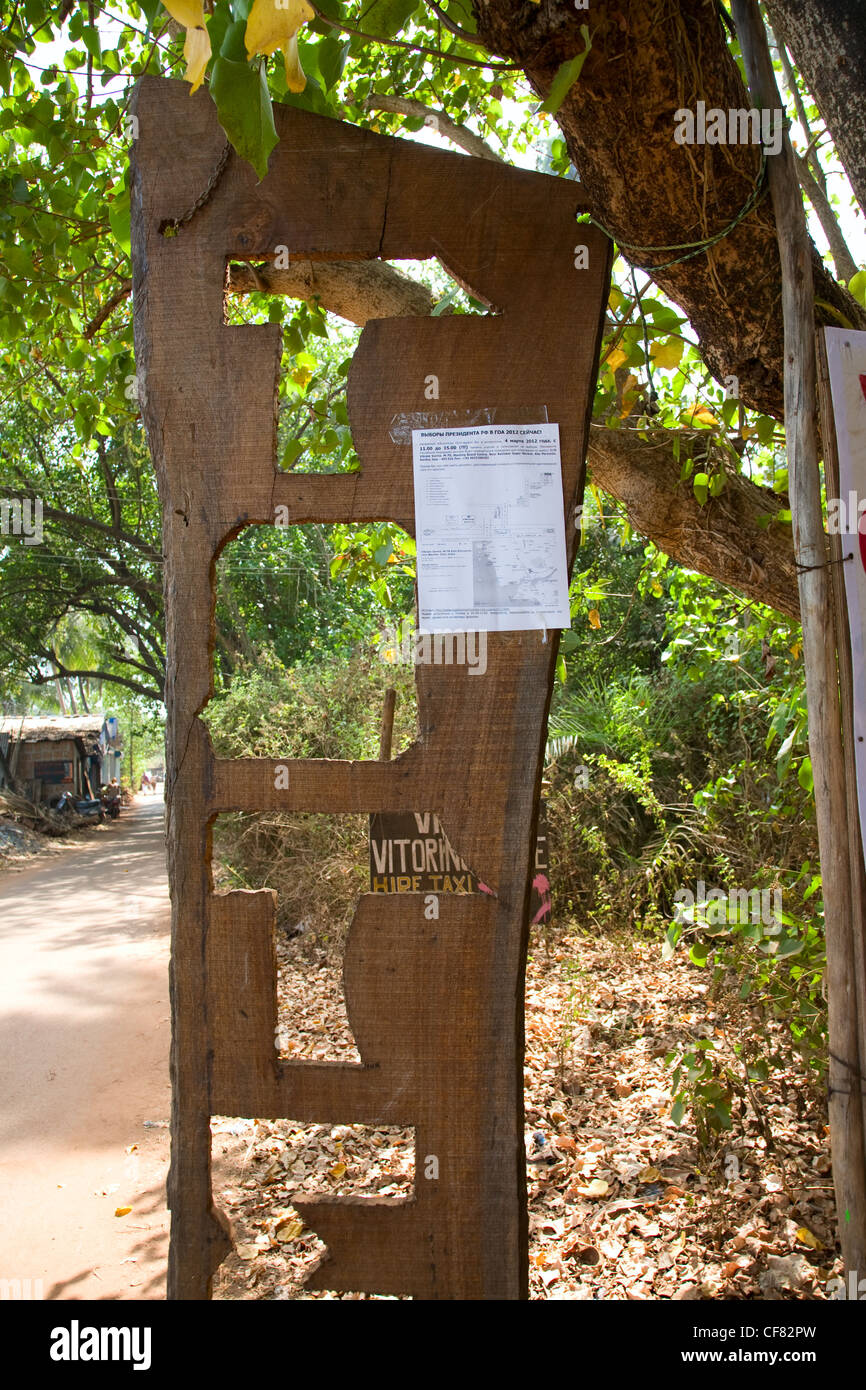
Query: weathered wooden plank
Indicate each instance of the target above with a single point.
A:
(435, 1002)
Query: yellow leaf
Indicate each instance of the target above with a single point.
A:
(656, 588)
(805, 1236)
(272, 25)
(288, 1229)
(705, 416)
(196, 50)
(189, 13)
(594, 618)
(301, 375)
(122, 1211)
(616, 358)
(338, 1170)
(667, 355)
(629, 395)
(295, 79)
(795, 650)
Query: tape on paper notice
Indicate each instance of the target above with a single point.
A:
(490, 528)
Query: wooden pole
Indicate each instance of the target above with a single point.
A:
(387, 733)
(822, 691)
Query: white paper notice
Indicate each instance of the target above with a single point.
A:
(490, 529)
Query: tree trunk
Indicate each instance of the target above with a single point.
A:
(828, 41)
(649, 59)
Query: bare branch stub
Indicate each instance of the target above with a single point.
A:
(435, 1006)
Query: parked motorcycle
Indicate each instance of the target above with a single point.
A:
(111, 801)
(83, 806)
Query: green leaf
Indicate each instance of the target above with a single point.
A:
(332, 55)
(18, 260)
(567, 75)
(387, 17)
(90, 39)
(857, 287)
(445, 301)
(233, 46)
(292, 451)
(244, 110)
(677, 1112)
(804, 775)
(791, 946)
(118, 217)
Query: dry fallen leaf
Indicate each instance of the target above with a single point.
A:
(805, 1236)
(288, 1229)
(597, 1188)
(649, 1175)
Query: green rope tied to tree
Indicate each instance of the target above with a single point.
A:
(693, 248)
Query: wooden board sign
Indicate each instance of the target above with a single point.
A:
(436, 1007)
(411, 854)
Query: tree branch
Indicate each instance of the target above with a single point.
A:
(845, 264)
(107, 309)
(40, 679)
(454, 28)
(355, 290)
(732, 538)
(439, 120)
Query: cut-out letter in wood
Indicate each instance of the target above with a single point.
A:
(435, 1004)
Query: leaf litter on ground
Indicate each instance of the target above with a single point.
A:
(623, 1203)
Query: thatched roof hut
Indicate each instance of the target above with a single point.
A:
(46, 754)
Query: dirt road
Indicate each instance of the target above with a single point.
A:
(84, 1088)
